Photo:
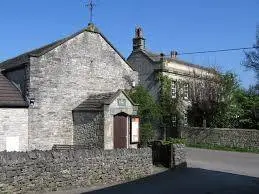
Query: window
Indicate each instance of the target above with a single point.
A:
(185, 119)
(186, 91)
(173, 88)
(174, 120)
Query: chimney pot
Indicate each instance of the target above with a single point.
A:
(162, 55)
(138, 40)
(174, 54)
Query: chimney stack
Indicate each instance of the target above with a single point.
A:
(139, 40)
(174, 54)
(162, 57)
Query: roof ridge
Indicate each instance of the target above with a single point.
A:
(148, 53)
(24, 57)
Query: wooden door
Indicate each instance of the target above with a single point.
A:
(120, 131)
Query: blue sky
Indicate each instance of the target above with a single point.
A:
(185, 26)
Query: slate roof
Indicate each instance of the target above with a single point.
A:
(10, 96)
(25, 58)
(95, 102)
(155, 57)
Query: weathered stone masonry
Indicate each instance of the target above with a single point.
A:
(247, 138)
(58, 170)
(63, 78)
(88, 129)
(14, 124)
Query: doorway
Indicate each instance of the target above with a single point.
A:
(120, 127)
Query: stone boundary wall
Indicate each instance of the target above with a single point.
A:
(170, 155)
(178, 156)
(42, 171)
(244, 138)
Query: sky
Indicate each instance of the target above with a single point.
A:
(181, 25)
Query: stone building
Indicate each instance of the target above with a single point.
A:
(149, 64)
(68, 92)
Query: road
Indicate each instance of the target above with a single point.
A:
(232, 162)
(209, 172)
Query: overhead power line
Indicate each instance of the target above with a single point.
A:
(216, 51)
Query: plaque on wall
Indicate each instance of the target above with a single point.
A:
(134, 131)
(121, 102)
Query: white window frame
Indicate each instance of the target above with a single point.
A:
(173, 89)
(186, 91)
(174, 120)
(185, 119)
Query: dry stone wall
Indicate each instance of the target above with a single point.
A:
(88, 129)
(243, 138)
(37, 171)
(178, 156)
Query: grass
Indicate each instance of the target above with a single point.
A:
(224, 148)
(174, 141)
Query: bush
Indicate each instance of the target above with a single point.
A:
(146, 134)
(148, 111)
(174, 141)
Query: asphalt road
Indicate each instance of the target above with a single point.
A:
(209, 172)
(232, 162)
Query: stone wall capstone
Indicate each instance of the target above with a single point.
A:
(42, 171)
(244, 138)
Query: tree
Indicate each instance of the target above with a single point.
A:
(148, 111)
(249, 102)
(171, 108)
(204, 97)
(235, 106)
(213, 102)
(252, 58)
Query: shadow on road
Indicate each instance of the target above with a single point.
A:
(187, 181)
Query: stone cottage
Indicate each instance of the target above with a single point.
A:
(69, 92)
(149, 64)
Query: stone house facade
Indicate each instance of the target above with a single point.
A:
(149, 65)
(54, 81)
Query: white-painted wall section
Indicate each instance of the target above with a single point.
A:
(13, 129)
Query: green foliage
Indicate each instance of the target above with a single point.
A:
(252, 58)
(237, 109)
(146, 133)
(148, 111)
(249, 103)
(169, 106)
(174, 141)
(228, 110)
